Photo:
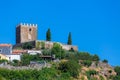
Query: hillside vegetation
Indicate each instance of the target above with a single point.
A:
(73, 65)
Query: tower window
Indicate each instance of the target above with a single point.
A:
(30, 29)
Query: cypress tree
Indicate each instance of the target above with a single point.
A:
(69, 39)
(48, 35)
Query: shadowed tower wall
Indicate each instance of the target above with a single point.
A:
(26, 33)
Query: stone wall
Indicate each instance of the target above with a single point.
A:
(26, 33)
(47, 45)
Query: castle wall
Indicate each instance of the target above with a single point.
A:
(26, 33)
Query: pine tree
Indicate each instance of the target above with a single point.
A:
(69, 39)
(48, 35)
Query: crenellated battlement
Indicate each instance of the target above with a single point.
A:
(28, 25)
(26, 32)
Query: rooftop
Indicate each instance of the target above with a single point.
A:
(18, 51)
(5, 45)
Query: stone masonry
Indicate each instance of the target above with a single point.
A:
(26, 33)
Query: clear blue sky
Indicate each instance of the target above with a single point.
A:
(94, 24)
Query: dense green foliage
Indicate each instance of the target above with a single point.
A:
(86, 63)
(58, 51)
(95, 58)
(46, 52)
(105, 61)
(26, 58)
(44, 74)
(42, 45)
(116, 78)
(3, 60)
(27, 46)
(117, 70)
(48, 35)
(87, 56)
(38, 45)
(69, 39)
(71, 67)
(16, 62)
(90, 74)
(81, 56)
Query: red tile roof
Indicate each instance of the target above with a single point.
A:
(5, 45)
(18, 51)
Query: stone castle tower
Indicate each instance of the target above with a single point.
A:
(26, 33)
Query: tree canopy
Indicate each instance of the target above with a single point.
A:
(69, 39)
(48, 35)
(27, 46)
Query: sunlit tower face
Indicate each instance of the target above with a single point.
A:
(26, 33)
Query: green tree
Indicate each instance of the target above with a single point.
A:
(42, 45)
(117, 70)
(90, 74)
(116, 78)
(86, 63)
(46, 52)
(84, 56)
(95, 58)
(71, 55)
(69, 39)
(15, 62)
(48, 35)
(105, 61)
(3, 60)
(25, 59)
(27, 46)
(2, 78)
(56, 50)
(38, 45)
(71, 67)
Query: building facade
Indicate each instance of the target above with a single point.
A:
(2, 56)
(5, 49)
(26, 33)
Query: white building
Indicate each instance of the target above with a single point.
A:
(34, 52)
(14, 57)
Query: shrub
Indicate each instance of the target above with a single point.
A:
(3, 60)
(87, 63)
(15, 62)
(71, 67)
(105, 61)
(84, 56)
(42, 45)
(56, 50)
(25, 59)
(117, 70)
(46, 52)
(27, 46)
(91, 72)
(116, 78)
(95, 58)
(38, 45)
